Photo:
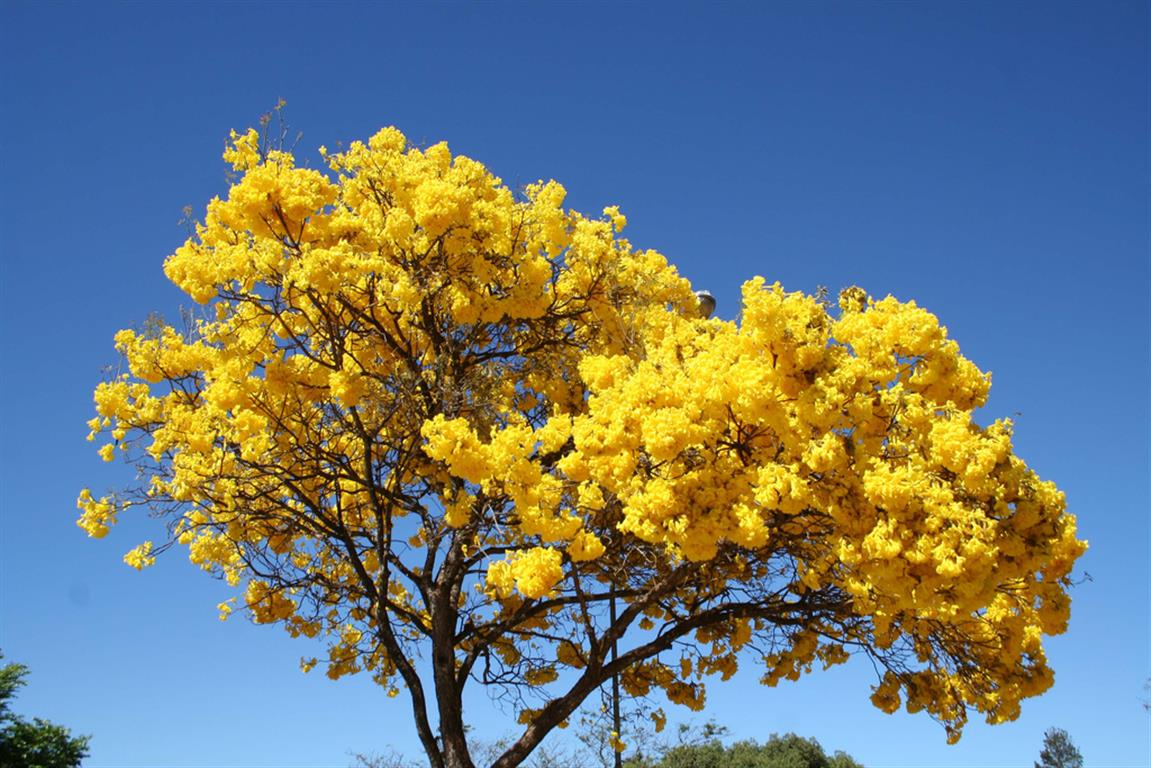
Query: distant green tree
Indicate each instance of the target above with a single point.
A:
(1059, 751)
(787, 751)
(36, 743)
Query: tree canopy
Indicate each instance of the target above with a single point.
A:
(35, 743)
(423, 416)
(1059, 751)
(787, 751)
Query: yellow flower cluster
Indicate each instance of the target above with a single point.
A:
(850, 442)
(140, 557)
(534, 572)
(99, 515)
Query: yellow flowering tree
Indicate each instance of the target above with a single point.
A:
(422, 416)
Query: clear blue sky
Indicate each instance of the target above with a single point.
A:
(990, 160)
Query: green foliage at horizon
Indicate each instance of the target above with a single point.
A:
(786, 751)
(1059, 751)
(35, 743)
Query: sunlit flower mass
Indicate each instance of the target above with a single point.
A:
(417, 409)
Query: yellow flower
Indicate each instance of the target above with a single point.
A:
(140, 557)
(536, 571)
(618, 220)
(585, 546)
